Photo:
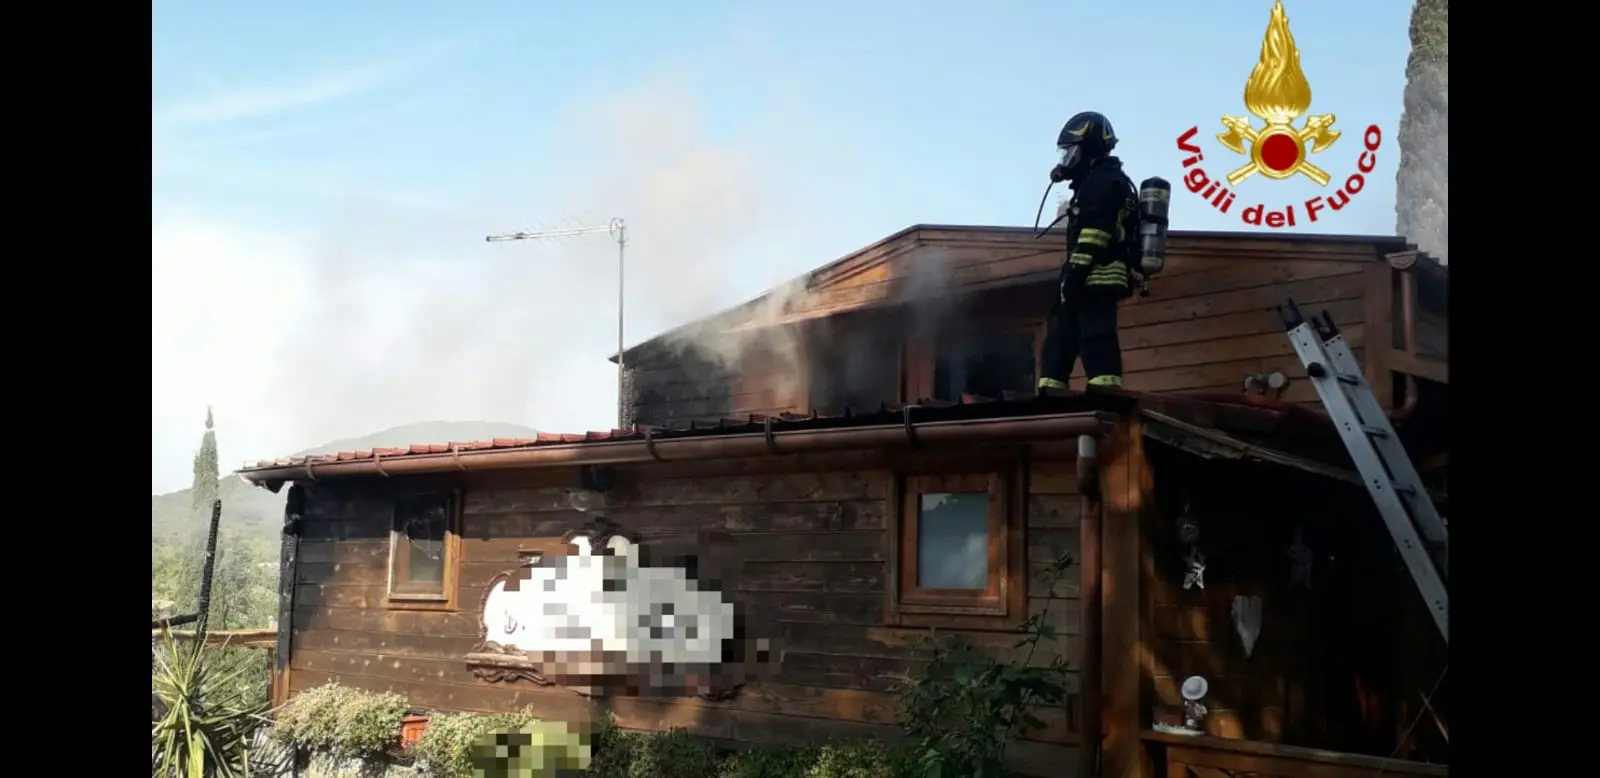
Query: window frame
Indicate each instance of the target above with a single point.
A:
(1000, 603)
(446, 598)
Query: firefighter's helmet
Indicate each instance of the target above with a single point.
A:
(1084, 138)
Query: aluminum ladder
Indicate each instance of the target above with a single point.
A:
(1398, 492)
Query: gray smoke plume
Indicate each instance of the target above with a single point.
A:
(1422, 186)
(402, 317)
(386, 310)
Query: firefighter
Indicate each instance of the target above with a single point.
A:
(1101, 235)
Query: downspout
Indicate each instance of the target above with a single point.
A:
(1408, 339)
(1089, 602)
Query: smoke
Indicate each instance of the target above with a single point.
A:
(396, 312)
(1422, 182)
(930, 310)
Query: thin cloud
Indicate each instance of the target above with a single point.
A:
(259, 102)
(227, 104)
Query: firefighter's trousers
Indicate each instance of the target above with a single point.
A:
(1083, 322)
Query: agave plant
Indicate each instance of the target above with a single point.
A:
(203, 722)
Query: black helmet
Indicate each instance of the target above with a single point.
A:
(1084, 138)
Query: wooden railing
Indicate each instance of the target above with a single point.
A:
(1208, 757)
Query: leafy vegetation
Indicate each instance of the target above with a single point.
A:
(967, 707)
(320, 722)
(447, 746)
(202, 719)
(341, 721)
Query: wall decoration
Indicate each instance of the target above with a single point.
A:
(1247, 621)
(1194, 561)
(1188, 526)
(1300, 557)
(1194, 569)
(598, 620)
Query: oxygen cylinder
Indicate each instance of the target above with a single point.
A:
(1155, 201)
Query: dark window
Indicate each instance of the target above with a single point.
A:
(989, 364)
(421, 546)
(856, 367)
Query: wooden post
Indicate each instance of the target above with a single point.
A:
(1125, 485)
(207, 568)
(1092, 700)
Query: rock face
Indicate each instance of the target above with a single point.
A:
(1421, 196)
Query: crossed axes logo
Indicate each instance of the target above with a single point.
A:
(1277, 93)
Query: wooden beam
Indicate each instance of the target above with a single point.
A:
(234, 638)
(1126, 486)
(1437, 370)
(1211, 444)
(174, 621)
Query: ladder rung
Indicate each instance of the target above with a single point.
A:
(1346, 378)
(1404, 489)
(1376, 432)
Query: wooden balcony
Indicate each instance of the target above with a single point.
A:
(1210, 757)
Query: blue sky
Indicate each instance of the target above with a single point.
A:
(323, 174)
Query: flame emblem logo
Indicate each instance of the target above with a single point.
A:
(1277, 94)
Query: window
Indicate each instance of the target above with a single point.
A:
(423, 544)
(855, 363)
(959, 546)
(988, 364)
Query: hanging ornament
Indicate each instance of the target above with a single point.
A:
(1194, 569)
(1299, 560)
(1188, 526)
(1247, 621)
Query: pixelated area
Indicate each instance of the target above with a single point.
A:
(614, 617)
(539, 749)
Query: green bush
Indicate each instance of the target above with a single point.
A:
(448, 741)
(859, 760)
(672, 754)
(202, 722)
(341, 721)
(834, 760)
(967, 707)
(766, 761)
(612, 750)
(445, 750)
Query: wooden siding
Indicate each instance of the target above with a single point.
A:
(812, 554)
(1209, 321)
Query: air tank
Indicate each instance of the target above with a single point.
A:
(1155, 201)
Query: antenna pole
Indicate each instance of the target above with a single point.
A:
(618, 230)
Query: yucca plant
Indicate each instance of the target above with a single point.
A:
(204, 720)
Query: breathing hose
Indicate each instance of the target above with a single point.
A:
(1039, 214)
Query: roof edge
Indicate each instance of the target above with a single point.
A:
(689, 446)
(1382, 242)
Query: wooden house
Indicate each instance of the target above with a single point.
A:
(792, 443)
